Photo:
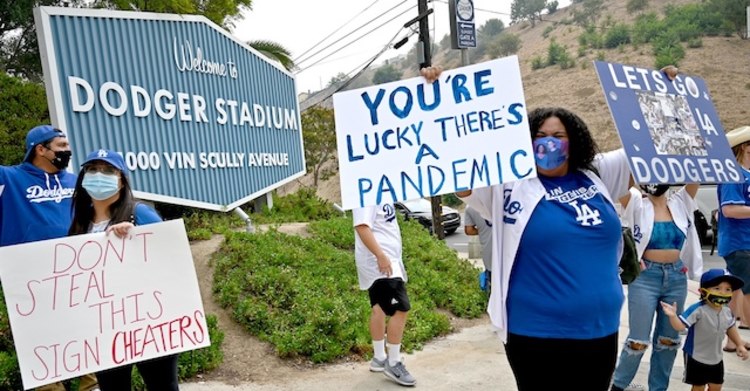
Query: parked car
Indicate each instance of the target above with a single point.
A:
(708, 202)
(421, 210)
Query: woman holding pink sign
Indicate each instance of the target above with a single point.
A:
(103, 202)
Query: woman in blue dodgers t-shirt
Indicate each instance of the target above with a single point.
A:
(555, 258)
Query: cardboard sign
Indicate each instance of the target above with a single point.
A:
(410, 139)
(669, 129)
(86, 303)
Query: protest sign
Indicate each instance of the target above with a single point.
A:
(410, 139)
(669, 129)
(86, 303)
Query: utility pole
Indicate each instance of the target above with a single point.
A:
(425, 60)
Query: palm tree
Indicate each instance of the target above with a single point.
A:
(274, 51)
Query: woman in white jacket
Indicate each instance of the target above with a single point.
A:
(556, 296)
(669, 249)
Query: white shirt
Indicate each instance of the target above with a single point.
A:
(384, 225)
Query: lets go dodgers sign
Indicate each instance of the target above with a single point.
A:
(412, 139)
(201, 118)
(669, 129)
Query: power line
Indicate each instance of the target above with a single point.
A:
(338, 29)
(364, 66)
(352, 32)
(357, 39)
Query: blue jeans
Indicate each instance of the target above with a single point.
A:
(658, 282)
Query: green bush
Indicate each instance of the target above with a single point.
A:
(591, 38)
(645, 28)
(558, 55)
(302, 295)
(450, 199)
(636, 5)
(617, 35)
(667, 46)
(304, 205)
(693, 20)
(24, 106)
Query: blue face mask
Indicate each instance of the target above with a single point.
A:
(550, 152)
(101, 186)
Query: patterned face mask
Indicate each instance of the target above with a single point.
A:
(550, 152)
(715, 298)
(655, 190)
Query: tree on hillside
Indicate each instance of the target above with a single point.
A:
(386, 74)
(552, 6)
(222, 12)
(733, 11)
(588, 13)
(319, 133)
(504, 45)
(491, 28)
(530, 10)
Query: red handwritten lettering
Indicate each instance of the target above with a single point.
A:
(33, 300)
(158, 338)
(58, 256)
(156, 295)
(75, 357)
(145, 247)
(93, 256)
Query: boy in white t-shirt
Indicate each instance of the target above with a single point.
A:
(381, 272)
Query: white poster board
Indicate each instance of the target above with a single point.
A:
(410, 139)
(86, 303)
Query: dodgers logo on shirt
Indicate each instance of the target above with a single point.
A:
(510, 208)
(390, 213)
(585, 214)
(637, 234)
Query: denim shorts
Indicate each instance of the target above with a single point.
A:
(738, 263)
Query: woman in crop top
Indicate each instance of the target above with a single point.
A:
(667, 243)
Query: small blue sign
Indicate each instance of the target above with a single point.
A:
(462, 24)
(669, 128)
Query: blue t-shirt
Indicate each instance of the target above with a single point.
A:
(734, 234)
(565, 280)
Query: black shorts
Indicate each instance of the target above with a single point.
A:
(390, 295)
(697, 373)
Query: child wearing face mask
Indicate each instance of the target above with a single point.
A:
(707, 321)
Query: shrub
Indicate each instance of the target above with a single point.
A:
(646, 27)
(504, 45)
(537, 62)
(581, 51)
(601, 56)
(451, 199)
(558, 54)
(616, 36)
(302, 294)
(303, 205)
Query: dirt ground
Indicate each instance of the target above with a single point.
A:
(246, 358)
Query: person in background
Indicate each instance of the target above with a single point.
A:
(734, 227)
(103, 202)
(708, 321)
(35, 201)
(381, 271)
(475, 224)
(669, 249)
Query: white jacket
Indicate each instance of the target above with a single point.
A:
(639, 216)
(509, 206)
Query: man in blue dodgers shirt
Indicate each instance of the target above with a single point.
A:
(35, 200)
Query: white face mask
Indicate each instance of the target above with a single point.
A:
(101, 186)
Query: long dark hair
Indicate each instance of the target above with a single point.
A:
(582, 148)
(83, 209)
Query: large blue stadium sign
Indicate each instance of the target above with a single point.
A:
(201, 119)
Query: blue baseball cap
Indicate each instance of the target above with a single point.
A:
(40, 135)
(714, 277)
(108, 156)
